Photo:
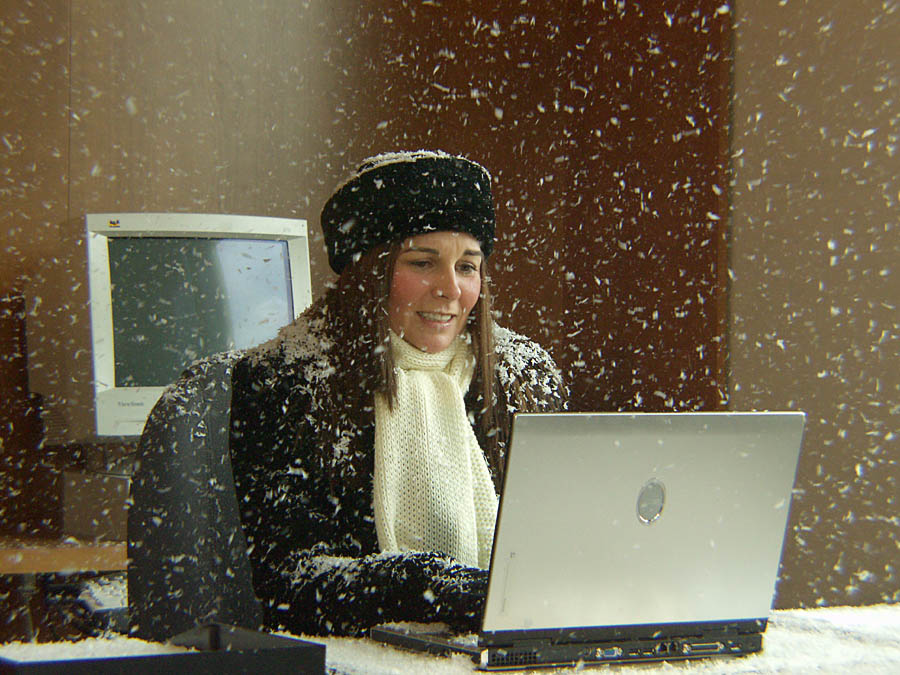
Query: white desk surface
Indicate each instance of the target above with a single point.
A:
(834, 640)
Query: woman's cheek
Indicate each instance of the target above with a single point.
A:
(471, 294)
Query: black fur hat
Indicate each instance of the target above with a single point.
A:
(397, 195)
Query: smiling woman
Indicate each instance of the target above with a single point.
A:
(368, 439)
(436, 283)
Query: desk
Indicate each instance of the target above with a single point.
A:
(42, 556)
(23, 558)
(834, 641)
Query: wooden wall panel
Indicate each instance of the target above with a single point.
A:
(814, 296)
(29, 481)
(206, 107)
(34, 49)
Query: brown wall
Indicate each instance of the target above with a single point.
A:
(814, 293)
(34, 44)
(35, 138)
(30, 501)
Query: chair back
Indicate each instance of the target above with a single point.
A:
(187, 554)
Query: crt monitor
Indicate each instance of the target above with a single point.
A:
(166, 289)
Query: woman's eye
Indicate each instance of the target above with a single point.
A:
(468, 268)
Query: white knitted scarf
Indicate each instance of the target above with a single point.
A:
(432, 487)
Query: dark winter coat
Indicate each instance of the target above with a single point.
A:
(307, 513)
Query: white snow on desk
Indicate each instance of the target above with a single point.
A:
(91, 648)
(834, 640)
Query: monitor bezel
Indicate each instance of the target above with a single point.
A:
(122, 411)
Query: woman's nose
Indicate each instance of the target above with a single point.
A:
(447, 286)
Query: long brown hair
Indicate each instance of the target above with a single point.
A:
(358, 308)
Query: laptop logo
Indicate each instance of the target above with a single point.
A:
(651, 500)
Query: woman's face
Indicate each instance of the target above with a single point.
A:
(436, 283)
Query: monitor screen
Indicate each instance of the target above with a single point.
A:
(177, 299)
(167, 289)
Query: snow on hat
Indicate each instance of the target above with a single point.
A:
(400, 194)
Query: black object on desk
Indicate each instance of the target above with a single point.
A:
(223, 649)
(187, 554)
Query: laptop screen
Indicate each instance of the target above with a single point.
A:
(624, 519)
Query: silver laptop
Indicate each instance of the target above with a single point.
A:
(627, 537)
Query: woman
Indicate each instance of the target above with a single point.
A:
(368, 438)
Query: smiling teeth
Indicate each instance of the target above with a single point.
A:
(433, 316)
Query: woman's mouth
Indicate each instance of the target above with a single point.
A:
(436, 317)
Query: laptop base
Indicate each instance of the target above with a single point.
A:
(541, 653)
